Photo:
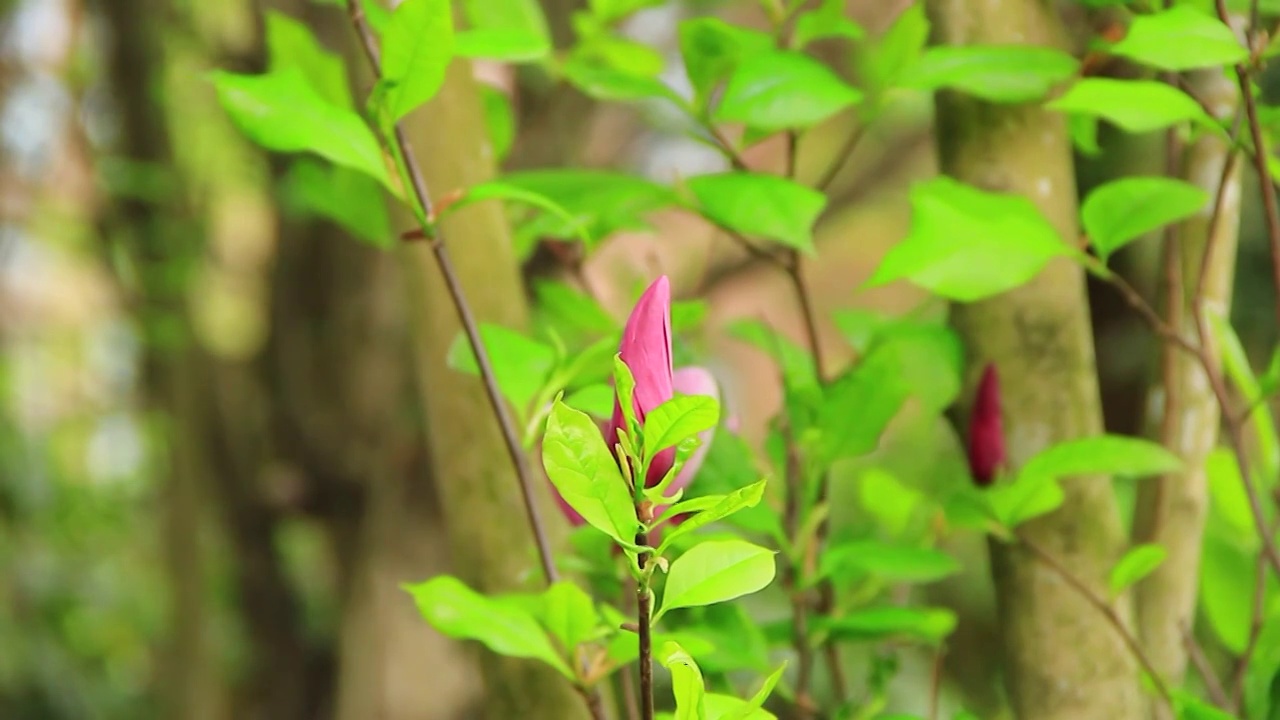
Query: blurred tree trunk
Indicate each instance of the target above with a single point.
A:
(170, 377)
(1171, 510)
(491, 544)
(1039, 338)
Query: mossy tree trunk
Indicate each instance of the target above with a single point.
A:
(1062, 660)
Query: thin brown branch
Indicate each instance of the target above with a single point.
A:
(1107, 612)
(1211, 682)
(841, 157)
(1271, 211)
(793, 576)
(1143, 308)
(935, 682)
(510, 435)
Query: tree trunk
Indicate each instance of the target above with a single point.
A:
(1062, 660)
(490, 541)
(1171, 510)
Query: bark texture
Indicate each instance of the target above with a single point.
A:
(490, 542)
(1171, 510)
(1062, 660)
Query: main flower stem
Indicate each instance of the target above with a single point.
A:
(643, 615)
(435, 239)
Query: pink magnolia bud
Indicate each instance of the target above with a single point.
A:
(646, 349)
(986, 430)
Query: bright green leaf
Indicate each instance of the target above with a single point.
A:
(678, 419)
(520, 364)
(503, 190)
(498, 120)
(967, 244)
(1103, 454)
(887, 499)
(459, 612)
(596, 202)
(889, 562)
(751, 709)
(779, 90)
(713, 508)
(856, 409)
(595, 399)
(416, 50)
(716, 571)
(569, 614)
(1226, 591)
(760, 205)
(998, 73)
(602, 82)
(1123, 210)
(290, 44)
(686, 682)
(280, 111)
(351, 199)
(1139, 562)
(728, 707)
(712, 48)
(586, 475)
(1028, 497)
(1180, 38)
(930, 625)
(512, 30)
(828, 20)
(884, 59)
(1136, 106)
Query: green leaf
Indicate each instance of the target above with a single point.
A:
(459, 612)
(998, 73)
(611, 11)
(930, 625)
(352, 200)
(1226, 591)
(586, 474)
(856, 408)
(1102, 455)
(595, 399)
(520, 364)
(884, 59)
(751, 709)
(502, 190)
(760, 205)
(828, 20)
(927, 357)
(1136, 106)
(1189, 707)
(678, 419)
(569, 614)
(887, 499)
(1139, 562)
(891, 563)
(1028, 497)
(716, 571)
(1262, 677)
(290, 44)
(777, 90)
(713, 508)
(686, 682)
(603, 82)
(1180, 38)
(1123, 210)
(511, 30)
(498, 120)
(712, 48)
(281, 112)
(967, 244)
(416, 49)
(595, 202)
(728, 707)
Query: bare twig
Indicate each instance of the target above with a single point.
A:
(1105, 609)
(510, 435)
(935, 682)
(1270, 209)
(841, 157)
(1211, 682)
